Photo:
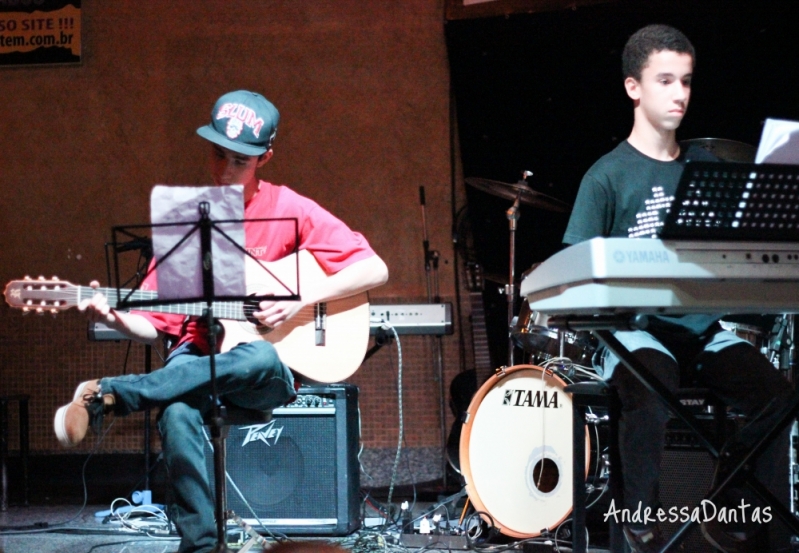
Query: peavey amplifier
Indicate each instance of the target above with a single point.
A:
(298, 474)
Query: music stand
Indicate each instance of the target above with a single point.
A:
(205, 226)
(713, 201)
(735, 202)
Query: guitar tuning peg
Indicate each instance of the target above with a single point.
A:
(54, 312)
(54, 278)
(41, 277)
(27, 277)
(40, 311)
(26, 310)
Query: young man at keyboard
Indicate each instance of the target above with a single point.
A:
(626, 193)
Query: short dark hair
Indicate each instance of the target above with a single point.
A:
(650, 39)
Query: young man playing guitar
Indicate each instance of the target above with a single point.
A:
(252, 376)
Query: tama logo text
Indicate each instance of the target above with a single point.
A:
(529, 398)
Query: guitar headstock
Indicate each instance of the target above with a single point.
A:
(41, 295)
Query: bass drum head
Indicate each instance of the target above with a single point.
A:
(516, 451)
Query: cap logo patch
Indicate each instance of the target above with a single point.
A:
(233, 128)
(239, 115)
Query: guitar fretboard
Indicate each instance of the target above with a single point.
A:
(234, 310)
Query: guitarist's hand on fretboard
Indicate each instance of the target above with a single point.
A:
(98, 310)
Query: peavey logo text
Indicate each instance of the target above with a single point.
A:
(266, 433)
(641, 256)
(529, 398)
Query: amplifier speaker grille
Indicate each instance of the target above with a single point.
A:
(686, 474)
(299, 473)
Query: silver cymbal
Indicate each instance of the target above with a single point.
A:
(725, 150)
(509, 191)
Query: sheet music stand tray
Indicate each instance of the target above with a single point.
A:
(735, 202)
(205, 226)
(713, 201)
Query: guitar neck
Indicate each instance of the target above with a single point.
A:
(482, 354)
(223, 309)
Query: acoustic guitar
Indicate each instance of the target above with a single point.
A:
(325, 342)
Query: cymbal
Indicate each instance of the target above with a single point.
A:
(725, 150)
(509, 191)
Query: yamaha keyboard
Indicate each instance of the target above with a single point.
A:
(652, 276)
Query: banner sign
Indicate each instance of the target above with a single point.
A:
(39, 32)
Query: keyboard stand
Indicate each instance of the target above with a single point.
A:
(602, 327)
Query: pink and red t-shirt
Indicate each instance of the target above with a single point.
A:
(333, 244)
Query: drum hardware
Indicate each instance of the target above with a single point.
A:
(510, 191)
(521, 193)
(513, 217)
(530, 332)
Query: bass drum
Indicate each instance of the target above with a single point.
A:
(516, 451)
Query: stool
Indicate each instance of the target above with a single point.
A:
(24, 447)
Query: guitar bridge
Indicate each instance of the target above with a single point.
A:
(320, 323)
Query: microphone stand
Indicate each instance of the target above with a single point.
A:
(431, 258)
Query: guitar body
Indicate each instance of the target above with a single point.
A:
(331, 354)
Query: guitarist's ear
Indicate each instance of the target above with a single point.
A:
(264, 157)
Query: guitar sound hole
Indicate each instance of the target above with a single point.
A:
(250, 307)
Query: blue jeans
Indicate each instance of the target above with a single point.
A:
(250, 376)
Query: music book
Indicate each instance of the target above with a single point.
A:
(174, 212)
(779, 142)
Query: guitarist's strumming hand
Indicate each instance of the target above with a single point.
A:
(134, 326)
(275, 313)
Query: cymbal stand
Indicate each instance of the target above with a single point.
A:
(510, 289)
(786, 354)
(431, 258)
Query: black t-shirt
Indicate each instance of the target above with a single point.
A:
(627, 194)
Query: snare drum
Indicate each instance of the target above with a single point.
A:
(530, 333)
(516, 451)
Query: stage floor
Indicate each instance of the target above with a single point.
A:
(72, 529)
